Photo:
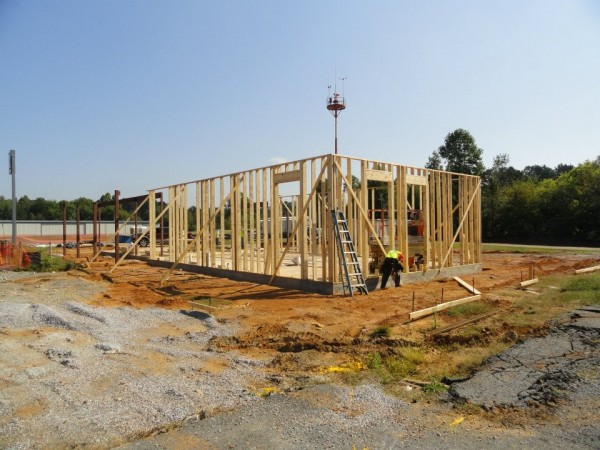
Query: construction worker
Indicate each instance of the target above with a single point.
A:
(392, 263)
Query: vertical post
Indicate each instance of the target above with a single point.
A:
(77, 217)
(265, 224)
(12, 164)
(65, 229)
(99, 226)
(363, 230)
(222, 221)
(162, 224)
(94, 227)
(199, 222)
(116, 226)
(302, 230)
(152, 223)
(135, 233)
(331, 204)
(78, 235)
(336, 148)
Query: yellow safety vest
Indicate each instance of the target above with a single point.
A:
(392, 254)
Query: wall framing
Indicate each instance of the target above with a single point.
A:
(262, 240)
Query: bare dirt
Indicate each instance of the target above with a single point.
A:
(95, 359)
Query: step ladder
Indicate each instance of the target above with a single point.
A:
(352, 277)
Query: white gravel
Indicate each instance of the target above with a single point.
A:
(76, 375)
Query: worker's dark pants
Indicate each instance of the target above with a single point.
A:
(389, 265)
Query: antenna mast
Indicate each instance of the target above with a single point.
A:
(336, 103)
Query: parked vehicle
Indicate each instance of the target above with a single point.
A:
(145, 241)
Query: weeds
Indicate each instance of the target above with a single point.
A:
(374, 361)
(413, 354)
(394, 368)
(469, 309)
(48, 263)
(381, 331)
(400, 368)
(581, 284)
(435, 387)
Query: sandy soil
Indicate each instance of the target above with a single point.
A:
(286, 324)
(200, 344)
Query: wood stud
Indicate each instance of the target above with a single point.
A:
(255, 213)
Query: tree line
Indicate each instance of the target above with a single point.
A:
(42, 209)
(538, 204)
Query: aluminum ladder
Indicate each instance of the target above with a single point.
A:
(352, 277)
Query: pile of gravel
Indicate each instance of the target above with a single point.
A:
(74, 374)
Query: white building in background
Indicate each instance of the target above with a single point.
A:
(55, 227)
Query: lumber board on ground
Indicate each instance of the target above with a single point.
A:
(428, 311)
(587, 270)
(529, 282)
(467, 286)
(461, 323)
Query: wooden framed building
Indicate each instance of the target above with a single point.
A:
(273, 224)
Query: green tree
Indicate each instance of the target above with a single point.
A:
(518, 216)
(23, 208)
(5, 208)
(494, 180)
(562, 168)
(461, 154)
(537, 172)
(434, 162)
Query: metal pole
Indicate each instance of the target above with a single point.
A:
(336, 145)
(95, 228)
(135, 233)
(116, 226)
(65, 229)
(78, 216)
(12, 160)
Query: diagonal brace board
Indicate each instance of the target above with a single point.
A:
(196, 239)
(466, 213)
(123, 225)
(362, 210)
(140, 237)
(298, 223)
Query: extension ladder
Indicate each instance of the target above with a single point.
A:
(352, 276)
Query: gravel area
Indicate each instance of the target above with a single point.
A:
(559, 372)
(76, 375)
(540, 370)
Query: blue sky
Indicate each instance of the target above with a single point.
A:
(130, 95)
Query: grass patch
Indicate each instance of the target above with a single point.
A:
(533, 249)
(381, 331)
(582, 283)
(48, 263)
(394, 368)
(413, 354)
(559, 294)
(435, 387)
(469, 309)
